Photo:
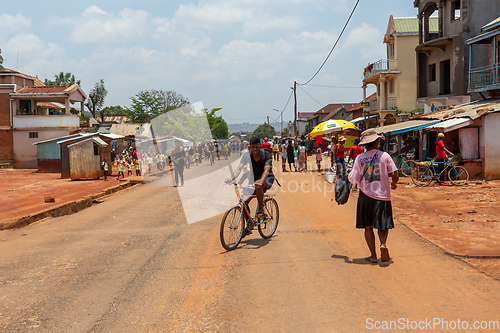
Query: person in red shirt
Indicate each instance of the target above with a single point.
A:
(266, 144)
(339, 152)
(441, 157)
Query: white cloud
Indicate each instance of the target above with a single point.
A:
(13, 24)
(31, 46)
(98, 26)
(366, 41)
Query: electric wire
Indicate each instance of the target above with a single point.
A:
(329, 54)
(311, 97)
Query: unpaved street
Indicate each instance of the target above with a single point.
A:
(133, 264)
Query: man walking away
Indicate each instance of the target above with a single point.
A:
(179, 156)
(371, 172)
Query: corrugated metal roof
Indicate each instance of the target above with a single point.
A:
(406, 126)
(44, 89)
(58, 138)
(451, 124)
(95, 139)
(492, 25)
(410, 24)
(472, 110)
(112, 136)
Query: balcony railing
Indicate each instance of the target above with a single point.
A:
(390, 104)
(381, 66)
(52, 121)
(484, 78)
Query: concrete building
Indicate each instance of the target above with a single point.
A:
(442, 56)
(32, 112)
(396, 76)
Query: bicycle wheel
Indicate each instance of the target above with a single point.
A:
(268, 228)
(458, 175)
(407, 168)
(422, 176)
(231, 228)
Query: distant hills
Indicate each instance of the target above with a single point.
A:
(251, 127)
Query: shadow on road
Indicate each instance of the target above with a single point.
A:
(360, 261)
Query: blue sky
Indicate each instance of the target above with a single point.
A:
(241, 55)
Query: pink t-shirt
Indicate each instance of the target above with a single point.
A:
(375, 182)
(318, 154)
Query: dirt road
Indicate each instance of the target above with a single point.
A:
(132, 264)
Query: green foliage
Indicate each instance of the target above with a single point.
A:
(62, 79)
(113, 111)
(95, 101)
(263, 131)
(218, 126)
(149, 104)
(286, 132)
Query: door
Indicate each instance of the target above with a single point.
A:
(469, 143)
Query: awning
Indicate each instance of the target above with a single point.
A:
(450, 124)
(360, 119)
(406, 126)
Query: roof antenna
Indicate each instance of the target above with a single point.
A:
(1, 61)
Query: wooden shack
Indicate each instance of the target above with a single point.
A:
(81, 159)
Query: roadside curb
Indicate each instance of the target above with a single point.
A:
(66, 208)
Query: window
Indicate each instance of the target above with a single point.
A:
(455, 10)
(96, 150)
(33, 135)
(432, 72)
(25, 106)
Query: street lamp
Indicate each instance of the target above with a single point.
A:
(281, 119)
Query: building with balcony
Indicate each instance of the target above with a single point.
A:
(442, 57)
(484, 67)
(32, 112)
(395, 77)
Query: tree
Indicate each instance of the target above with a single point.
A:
(95, 101)
(286, 132)
(264, 131)
(170, 99)
(113, 111)
(62, 79)
(218, 126)
(149, 104)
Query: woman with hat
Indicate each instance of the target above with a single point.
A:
(441, 156)
(371, 172)
(339, 152)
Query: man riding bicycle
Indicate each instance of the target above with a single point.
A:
(261, 163)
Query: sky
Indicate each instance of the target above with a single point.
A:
(239, 55)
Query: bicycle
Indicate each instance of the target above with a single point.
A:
(406, 164)
(233, 223)
(423, 174)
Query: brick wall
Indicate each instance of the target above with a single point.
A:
(6, 145)
(4, 110)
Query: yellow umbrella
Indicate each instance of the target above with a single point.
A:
(330, 126)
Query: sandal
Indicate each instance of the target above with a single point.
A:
(261, 215)
(369, 259)
(384, 254)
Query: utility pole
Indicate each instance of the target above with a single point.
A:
(295, 108)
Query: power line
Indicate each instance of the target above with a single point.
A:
(324, 62)
(311, 96)
(336, 87)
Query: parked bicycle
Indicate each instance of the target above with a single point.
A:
(406, 164)
(233, 222)
(423, 174)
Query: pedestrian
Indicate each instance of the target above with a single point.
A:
(319, 156)
(354, 152)
(339, 152)
(371, 172)
(302, 156)
(290, 155)
(121, 167)
(266, 144)
(332, 153)
(137, 167)
(150, 163)
(283, 155)
(276, 151)
(130, 165)
(179, 156)
(441, 157)
(105, 168)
